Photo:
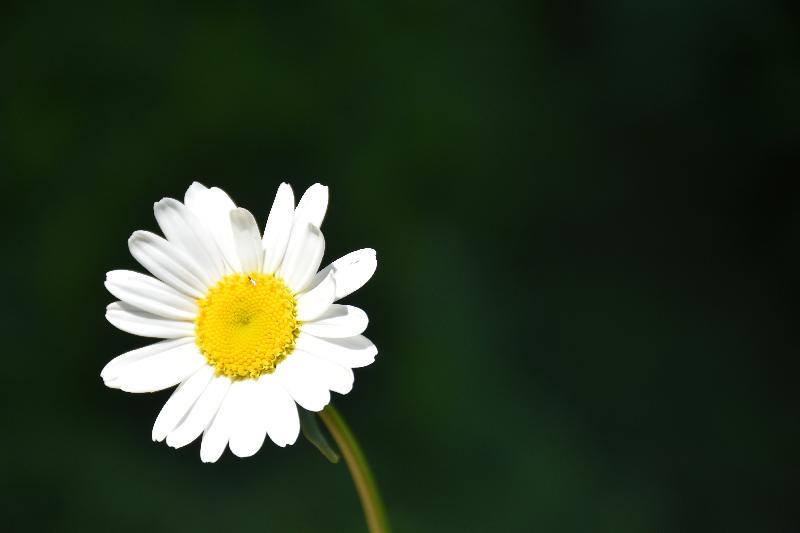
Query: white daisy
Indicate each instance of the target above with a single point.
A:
(250, 326)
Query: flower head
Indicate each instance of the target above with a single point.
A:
(249, 324)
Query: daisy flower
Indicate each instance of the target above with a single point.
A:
(249, 325)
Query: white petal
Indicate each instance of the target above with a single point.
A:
(351, 272)
(182, 228)
(302, 257)
(216, 436)
(201, 414)
(278, 228)
(280, 411)
(160, 371)
(313, 303)
(168, 263)
(338, 321)
(352, 352)
(248, 240)
(182, 399)
(312, 206)
(119, 363)
(336, 377)
(150, 294)
(194, 195)
(249, 426)
(133, 320)
(213, 206)
(301, 381)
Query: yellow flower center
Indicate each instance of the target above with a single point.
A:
(246, 324)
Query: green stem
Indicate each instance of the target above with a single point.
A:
(359, 470)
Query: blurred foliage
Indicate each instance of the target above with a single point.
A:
(587, 218)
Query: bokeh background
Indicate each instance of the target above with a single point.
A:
(587, 219)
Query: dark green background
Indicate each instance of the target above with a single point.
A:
(587, 220)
